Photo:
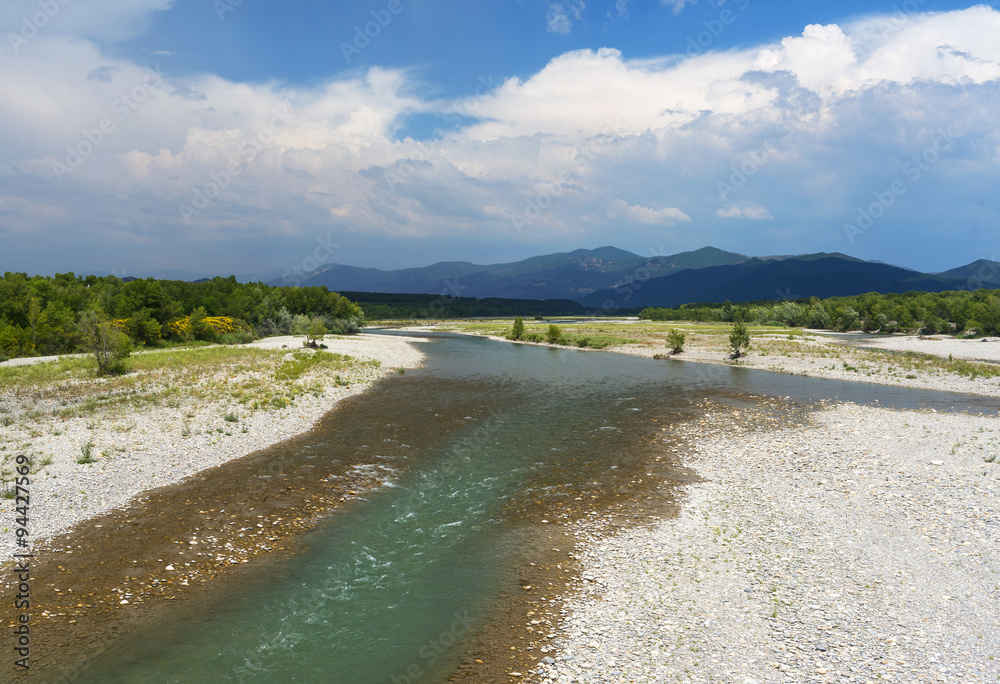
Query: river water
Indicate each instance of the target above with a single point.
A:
(486, 436)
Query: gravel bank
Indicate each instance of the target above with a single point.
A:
(983, 349)
(862, 547)
(141, 449)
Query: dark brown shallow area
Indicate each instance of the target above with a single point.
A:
(107, 577)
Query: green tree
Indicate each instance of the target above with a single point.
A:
(316, 332)
(739, 339)
(675, 340)
(517, 332)
(109, 345)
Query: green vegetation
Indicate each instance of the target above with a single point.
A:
(86, 453)
(954, 312)
(554, 335)
(382, 306)
(317, 331)
(44, 315)
(675, 340)
(739, 338)
(517, 331)
(109, 345)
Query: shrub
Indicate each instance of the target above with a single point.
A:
(739, 339)
(554, 334)
(86, 453)
(316, 332)
(675, 340)
(108, 344)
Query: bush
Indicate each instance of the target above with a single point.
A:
(517, 331)
(739, 339)
(675, 340)
(554, 335)
(317, 331)
(108, 344)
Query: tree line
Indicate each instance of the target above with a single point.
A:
(953, 312)
(44, 315)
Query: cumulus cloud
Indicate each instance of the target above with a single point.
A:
(636, 213)
(816, 124)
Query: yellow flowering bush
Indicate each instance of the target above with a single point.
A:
(220, 325)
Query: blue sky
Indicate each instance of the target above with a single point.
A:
(223, 136)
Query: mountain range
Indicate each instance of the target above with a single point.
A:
(612, 278)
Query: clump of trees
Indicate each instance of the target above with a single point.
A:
(41, 315)
(957, 312)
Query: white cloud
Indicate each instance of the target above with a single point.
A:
(559, 148)
(676, 5)
(88, 19)
(744, 211)
(636, 213)
(622, 7)
(562, 14)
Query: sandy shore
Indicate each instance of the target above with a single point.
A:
(141, 447)
(862, 547)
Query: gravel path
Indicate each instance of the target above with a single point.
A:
(862, 547)
(138, 450)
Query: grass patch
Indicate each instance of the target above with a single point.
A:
(86, 453)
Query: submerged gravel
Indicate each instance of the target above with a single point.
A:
(862, 547)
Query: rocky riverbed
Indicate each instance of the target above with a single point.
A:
(194, 423)
(863, 546)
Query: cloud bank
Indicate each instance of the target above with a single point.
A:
(591, 148)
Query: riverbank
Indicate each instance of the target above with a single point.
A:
(860, 547)
(96, 444)
(934, 363)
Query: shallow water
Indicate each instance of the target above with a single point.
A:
(483, 437)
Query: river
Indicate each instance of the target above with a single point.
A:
(485, 441)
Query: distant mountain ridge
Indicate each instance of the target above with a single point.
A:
(800, 277)
(567, 275)
(609, 278)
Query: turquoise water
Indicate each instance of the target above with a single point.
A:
(390, 589)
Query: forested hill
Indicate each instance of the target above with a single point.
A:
(38, 314)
